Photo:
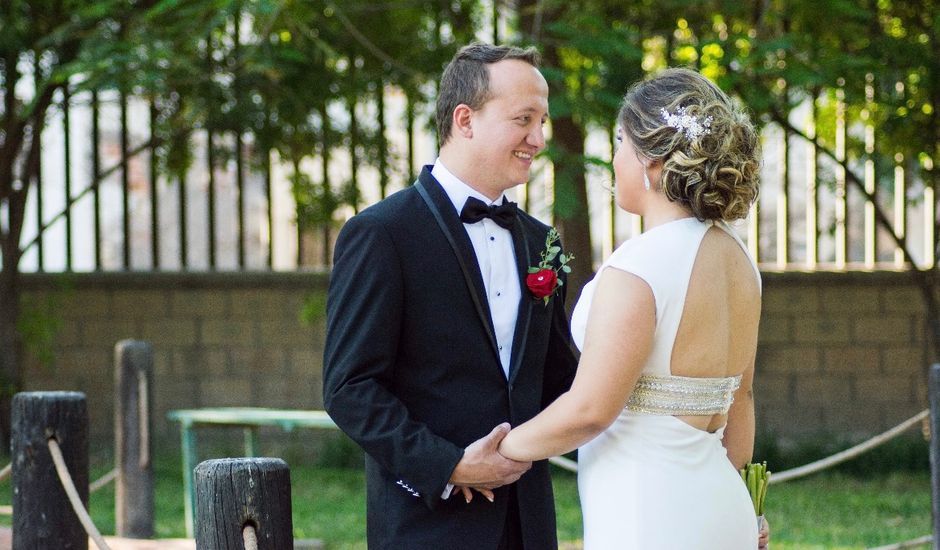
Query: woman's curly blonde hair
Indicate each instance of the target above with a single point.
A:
(714, 174)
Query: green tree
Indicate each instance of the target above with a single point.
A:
(48, 47)
(271, 69)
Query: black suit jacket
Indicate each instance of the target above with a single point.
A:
(412, 373)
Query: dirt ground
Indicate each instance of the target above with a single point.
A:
(116, 543)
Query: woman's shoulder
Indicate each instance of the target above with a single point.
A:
(659, 245)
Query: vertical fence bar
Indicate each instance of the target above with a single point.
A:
(841, 198)
(154, 196)
(783, 204)
(240, 189)
(183, 233)
(210, 161)
(930, 215)
(95, 171)
(933, 392)
(753, 231)
(67, 146)
(211, 221)
(38, 125)
(383, 145)
(239, 160)
(125, 184)
(900, 207)
(870, 188)
(353, 146)
(812, 198)
(134, 490)
(327, 145)
(610, 236)
(495, 16)
(410, 121)
(44, 517)
(269, 196)
(300, 222)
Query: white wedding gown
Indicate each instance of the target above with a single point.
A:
(650, 481)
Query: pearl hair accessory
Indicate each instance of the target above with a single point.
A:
(688, 124)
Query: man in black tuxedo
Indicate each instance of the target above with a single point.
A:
(433, 337)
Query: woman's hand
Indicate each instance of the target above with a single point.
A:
(468, 493)
(763, 535)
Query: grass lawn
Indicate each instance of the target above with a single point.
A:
(830, 511)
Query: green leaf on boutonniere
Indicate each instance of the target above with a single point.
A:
(566, 269)
(534, 270)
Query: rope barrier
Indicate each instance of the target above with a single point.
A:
(62, 470)
(926, 539)
(5, 472)
(102, 481)
(852, 452)
(249, 537)
(564, 463)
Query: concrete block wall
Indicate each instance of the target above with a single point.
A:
(218, 340)
(839, 353)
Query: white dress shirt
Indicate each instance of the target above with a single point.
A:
(496, 258)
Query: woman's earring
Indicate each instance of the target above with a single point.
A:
(646, 181)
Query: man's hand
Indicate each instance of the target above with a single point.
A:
(482, 467)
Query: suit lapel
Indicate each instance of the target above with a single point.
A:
(443, 211)
(520, 244)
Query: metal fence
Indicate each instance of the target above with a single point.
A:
(101, 204)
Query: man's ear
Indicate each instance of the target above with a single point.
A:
(462, 122)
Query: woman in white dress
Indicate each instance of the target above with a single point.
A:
(662, 407)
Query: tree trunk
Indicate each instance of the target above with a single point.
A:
(571, 206)
(11, 346)
(570, 200)
(11, 342)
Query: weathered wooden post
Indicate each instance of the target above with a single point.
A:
(235, 493)
(43, 517)
(933, 392)
(133, 493)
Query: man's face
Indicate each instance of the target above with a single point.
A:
(507, 130)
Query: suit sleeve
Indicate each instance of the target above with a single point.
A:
(561, 362)
(364, 306)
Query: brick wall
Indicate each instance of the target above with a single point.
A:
(839, 353)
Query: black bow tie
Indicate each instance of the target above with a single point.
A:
(475, 210)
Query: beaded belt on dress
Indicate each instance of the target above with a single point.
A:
(682, 395)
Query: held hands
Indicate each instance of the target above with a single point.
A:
(484, 469)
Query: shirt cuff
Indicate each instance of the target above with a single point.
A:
(447, 491)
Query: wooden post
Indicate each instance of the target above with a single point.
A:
(133, 492)
(44, 518)
(234, 492)
(933, 391)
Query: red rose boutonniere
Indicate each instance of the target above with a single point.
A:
(543, 280)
